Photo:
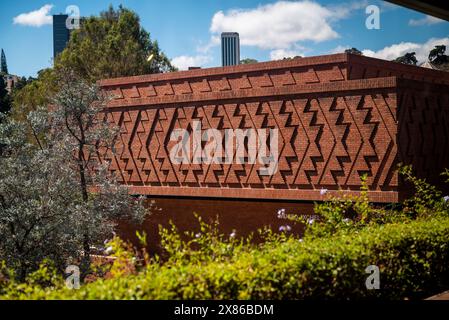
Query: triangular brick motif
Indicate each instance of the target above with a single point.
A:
(200, 86)
(131, 92)
(333, 111)
(262, 81)
(151, 91)
(308, 113)
(116, 93)
(182, 88)
(362, 117)
(328, 136)
(311, 76)
(284, 140)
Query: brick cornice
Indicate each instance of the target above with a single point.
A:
(346, 86)
(230, 70)
(250, 193)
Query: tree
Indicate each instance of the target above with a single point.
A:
(22, 82)
(5, 99)
(437, 56)
(248, 61)
(408, 58)
(3, 64)
(112, 45)
(37, 92)
(56, 200)
(354, 51)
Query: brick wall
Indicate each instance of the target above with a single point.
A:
(340, 116)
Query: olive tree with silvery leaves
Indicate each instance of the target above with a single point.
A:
(56, 199)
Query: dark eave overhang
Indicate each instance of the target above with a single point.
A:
(436, 8)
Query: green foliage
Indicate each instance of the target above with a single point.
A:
(112, 45)
(347, 214)
(427, 199)
(248, 61)
(437, 55)
(204, 246)
(35, 93)
(124, 260)
(354, 51)
(412, 257)
(45, 278)
(408, 58)
(5, 99)
(411, 249)
(46, 209)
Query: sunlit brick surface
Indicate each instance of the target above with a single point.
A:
(339, 116)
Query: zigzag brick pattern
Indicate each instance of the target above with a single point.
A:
(339, 117)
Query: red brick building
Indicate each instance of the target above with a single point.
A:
(339, 116)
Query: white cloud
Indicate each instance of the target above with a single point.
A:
(280, 54)
(214, 41)
(279, 25)
(426, 21)
(344, 10)
(35, 18)
(396, 50)
(184, 62)
(339, 49)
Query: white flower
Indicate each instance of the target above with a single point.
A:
(323, 191)
(310, 221)
(281, 214)
(232, 235)
(446, 198)
(346, 220)
(282, 228)
(198, 235)
(108, 250)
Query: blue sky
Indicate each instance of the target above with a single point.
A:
(187, 30)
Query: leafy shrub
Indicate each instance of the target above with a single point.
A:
(413, 260)
(409, 246)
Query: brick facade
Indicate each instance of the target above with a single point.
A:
(340, 116)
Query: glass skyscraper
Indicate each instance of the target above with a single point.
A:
(61, 34)
(230, 48)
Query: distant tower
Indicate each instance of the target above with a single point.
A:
(61, 35)
(3, 64)
(230, 48)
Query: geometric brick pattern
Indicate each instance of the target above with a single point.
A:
(338, 118)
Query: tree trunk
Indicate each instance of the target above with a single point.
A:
(85, 261)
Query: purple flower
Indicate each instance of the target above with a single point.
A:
(285, 228)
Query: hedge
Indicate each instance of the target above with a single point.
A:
(413, 259)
